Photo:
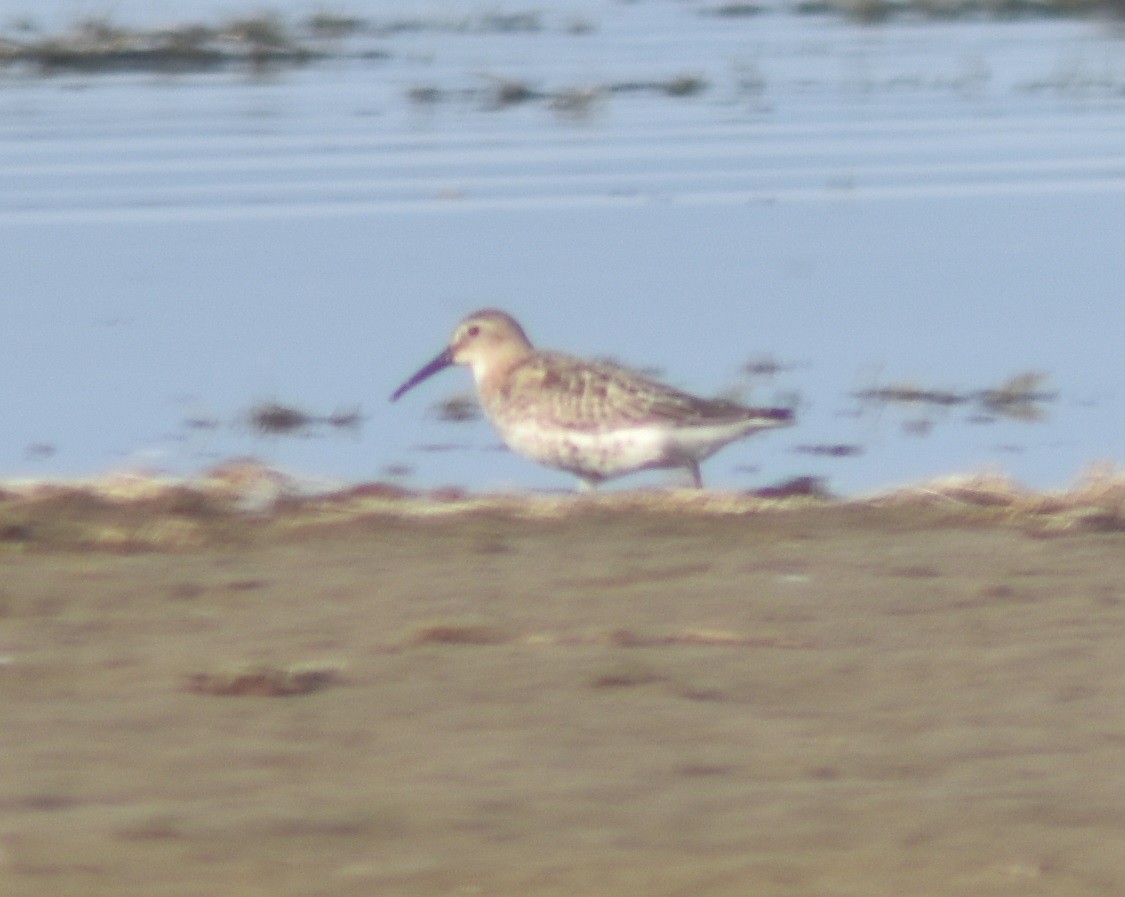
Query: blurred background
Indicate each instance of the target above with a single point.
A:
(228, 231)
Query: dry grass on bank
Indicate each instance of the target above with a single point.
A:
(245, 500)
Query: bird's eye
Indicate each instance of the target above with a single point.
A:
(474, 330)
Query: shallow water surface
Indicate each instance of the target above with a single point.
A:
(883, 222)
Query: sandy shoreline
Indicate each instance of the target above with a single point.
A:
(652, 694)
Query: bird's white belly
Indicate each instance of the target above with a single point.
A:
(603, 454)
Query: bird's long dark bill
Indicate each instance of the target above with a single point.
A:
(444, 360)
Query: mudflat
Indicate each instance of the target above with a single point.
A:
(559, 697)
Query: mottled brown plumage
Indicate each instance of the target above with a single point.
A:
(593, 419)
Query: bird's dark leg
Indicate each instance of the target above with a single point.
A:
(696, 476)
(588, 484)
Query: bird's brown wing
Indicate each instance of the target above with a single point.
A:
(566, 391)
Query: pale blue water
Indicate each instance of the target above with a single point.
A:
(939, 204)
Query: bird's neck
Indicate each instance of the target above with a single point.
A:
(492, 374)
